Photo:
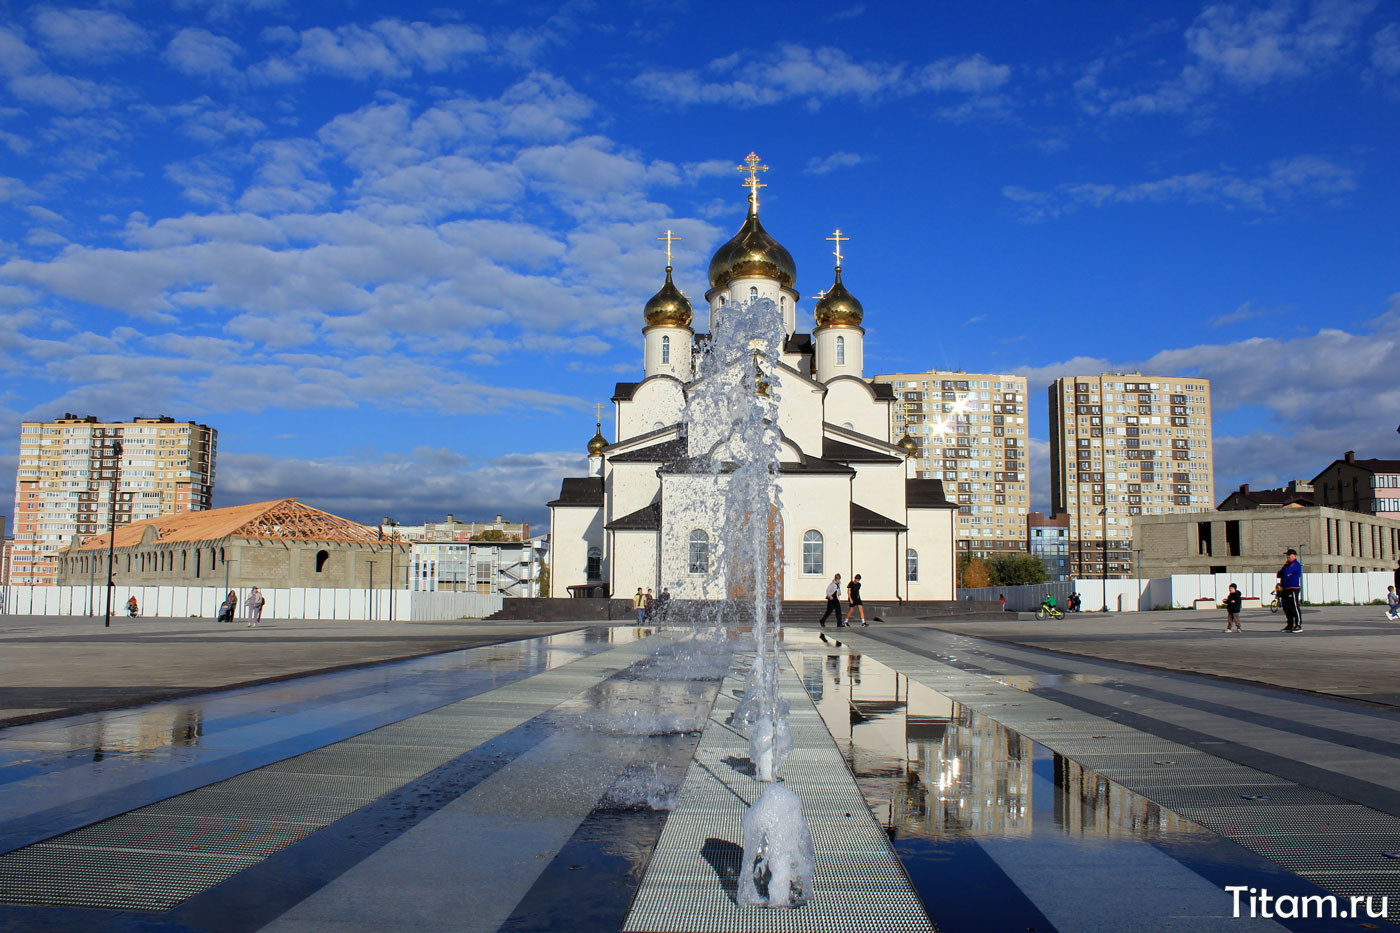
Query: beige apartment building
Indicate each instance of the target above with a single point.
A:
(970, 431)
(1124, 445)
(67, 467)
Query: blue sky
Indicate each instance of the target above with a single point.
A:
(396, 252)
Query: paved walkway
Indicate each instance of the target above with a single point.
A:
(60, 665)
(1350, 651)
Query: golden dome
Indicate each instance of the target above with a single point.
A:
(752, 252)
(668, 306)
(838, 307)
(909, 445)
(597, 443)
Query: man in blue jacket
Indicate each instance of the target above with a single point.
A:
(1290, 577)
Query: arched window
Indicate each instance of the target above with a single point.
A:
(753, 292)
(197, 555)
(782, 304)
(665, 350)
(840, 351)
(813, 553)
(911, 565)
(699, 552)
(595, 564)
(321, 558)
(721, 301)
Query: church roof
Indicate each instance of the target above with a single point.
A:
(798, 343)
(863, 519)
(647, 518)
(809, 464)
(883, 390)
(625, 391)
(664, 452)
(579, 491)
(849, 453)
(276, 519)
(926, 494)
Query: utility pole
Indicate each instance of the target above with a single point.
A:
(112, 530)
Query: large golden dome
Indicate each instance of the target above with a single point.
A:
(752, 252)
(668, 306)
(838, 307)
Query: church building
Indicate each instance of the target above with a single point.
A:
(849, 502)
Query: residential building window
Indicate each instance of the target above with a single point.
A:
(813, 553)
(699, 552)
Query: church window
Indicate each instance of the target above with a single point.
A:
(699, 552)
(595, 564)
(840, 351)
(782, 304)
(911, 564)
(813, 553)
(753, 292)
(665, 350)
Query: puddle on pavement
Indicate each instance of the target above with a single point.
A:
(989, 824)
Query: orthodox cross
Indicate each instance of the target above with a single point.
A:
(599, 409)
(752, 166)
(669, 238)
(838, 239)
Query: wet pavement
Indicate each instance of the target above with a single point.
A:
(525, 786)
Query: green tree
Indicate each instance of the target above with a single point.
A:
(542, 576)
(492, 534)
(1015, 568)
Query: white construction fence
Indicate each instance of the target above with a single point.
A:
(1182, 591)
(182, 602)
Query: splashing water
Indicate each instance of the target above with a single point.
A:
(731, 424)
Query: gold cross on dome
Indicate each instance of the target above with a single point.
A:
(669, 238)
(821, 295)
(599, 409)
(753, 167)
(838, 239)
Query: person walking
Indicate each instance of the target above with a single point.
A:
(663, 605)
(1233, 602)
(833, 601)
(1002, 600)
(1290, 580)
(854, 601)
(229, 607)
(255, 604)
(649, 604)
(639, 603)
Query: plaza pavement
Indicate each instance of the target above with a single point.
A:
(54, 666)
(1346, 651)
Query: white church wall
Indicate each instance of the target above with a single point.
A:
(820, 502)
(701, 511)
(879, 563)
(656, 402)
(850, 341)
(631, 486)
(800, 412)
(851, 405)
(636, 552)
(931, 535)
(573, 531)
(880, 488)
(666, 350)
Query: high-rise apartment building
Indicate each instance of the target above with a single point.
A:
(970, 430)
(66, 471)
(1125, 444)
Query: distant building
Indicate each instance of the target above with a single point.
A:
(1253, 541)
(1296, 494)
(970, 431)
(510, 568)
(1370, 486)
(281, 543)
(1047, 539)
(453, 529)
(1124, 445)
(63, 486)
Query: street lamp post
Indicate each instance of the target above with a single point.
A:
(393, 546)
(112, 529)
(1103, 566)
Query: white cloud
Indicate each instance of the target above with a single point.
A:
(16, 57)
(89, 35)
(199, 52)
(1244, 312)
(61, 92)
(750, 79)
(1385, 49)
(822, 165)
(387, 48)
(1285, 181)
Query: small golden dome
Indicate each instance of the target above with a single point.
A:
(909, 445)
(597, 443)
(838, 307)
(752, 251)
(668, 306)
